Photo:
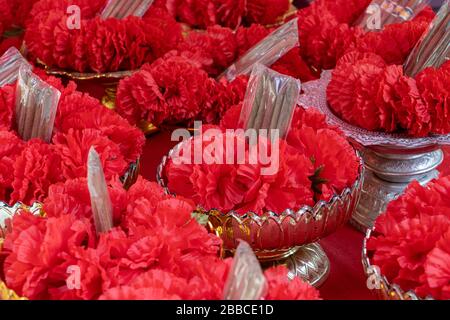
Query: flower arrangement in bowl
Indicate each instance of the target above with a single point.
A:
(312, 192)
(396, 119)
(29, 168)
(99, 50)
(154, 250)
(228, 13)
(328, 29)
(151, 96)
(407, 254)
(108, 49)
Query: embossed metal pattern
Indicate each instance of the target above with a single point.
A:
(315, 96)
(273, 234)
(384, 289)
(387, 176)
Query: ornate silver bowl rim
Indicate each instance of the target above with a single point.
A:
(315, 95)
(388, 290)
(260, 219)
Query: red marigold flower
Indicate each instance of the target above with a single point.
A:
(266, 11)
(410, 243)
(99, 45)
(215, 49)
(36, 249)
(230, 93)
(152, 285)
(171, 90)
(196, 13)
(72, 197)
(231, 117)
(10, 148)
(74, 146)
(111, 125)
(7, 98)
(242, 187)
(323, 40)
(437, 268)
(402, 95)
(366, 92)
(35, 170)
(434, 88)
(353, 88)
(231, 12)
(394, 42)
(312, 118)
(327, 150)
(281, 288)
(201, 14)
(247, 37)
(292, 64)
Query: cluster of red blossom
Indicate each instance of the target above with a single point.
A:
(370, 90)
(155, 251)
(325, 35)
(315, 162)
(177, 87)
(13, 14)
(112, 45)
(226, 13)
(27, 169)
(372, 94)
(411, 242)
(173, 89)
(99, 45)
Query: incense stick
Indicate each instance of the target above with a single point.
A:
(291, 98)
(257, 102)
(110, 8)
(123, 9)
(100, 201)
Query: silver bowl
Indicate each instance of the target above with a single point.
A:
(380, 285)
(392, 161)
(287, 238)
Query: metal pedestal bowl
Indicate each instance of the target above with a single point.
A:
(288, 238)
(392, 161)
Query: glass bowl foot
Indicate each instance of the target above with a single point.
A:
(309, 262)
